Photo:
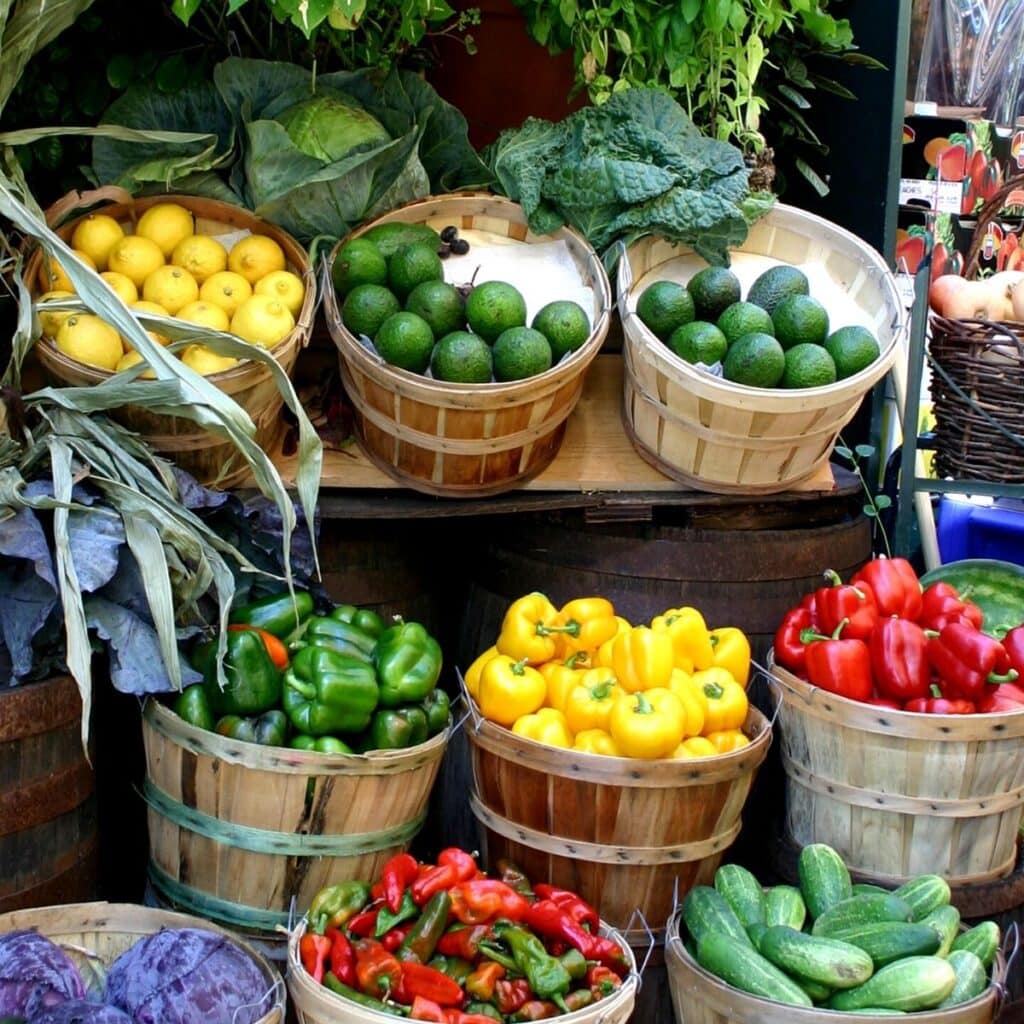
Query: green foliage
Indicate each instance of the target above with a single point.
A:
(874, 504)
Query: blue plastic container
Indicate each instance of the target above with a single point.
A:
(981, 528)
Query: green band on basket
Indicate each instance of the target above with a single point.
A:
(285, 844)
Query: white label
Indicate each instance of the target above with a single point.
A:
(941, 196)
(950, 196)
(905, 286)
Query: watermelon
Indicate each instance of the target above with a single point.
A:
(996, 587)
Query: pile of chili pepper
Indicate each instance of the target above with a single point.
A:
(445, 942)
(884, 640)
(584, 678)
(342, 682)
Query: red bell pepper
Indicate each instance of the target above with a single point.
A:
(511, 995)
(486, 899)
(898, 659)
(314, 952)
(578, 908)
(840, 666)
(428, 983)
(941, 605)
(936, 704)
(840, 601)
(1003, 698)
(895, 586)
(551, 921)
(1013, 644)
(965, 660)
(464, 863)
(790, 650)
(378, 972)
(464, 942)
(396, 875)
(343, 956)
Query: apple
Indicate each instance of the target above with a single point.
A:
(942, 290)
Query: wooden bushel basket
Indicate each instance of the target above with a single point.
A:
(210, 458)
(466, 440)
(238, 829)
(899, 794)
(108, 929)
(724, 437)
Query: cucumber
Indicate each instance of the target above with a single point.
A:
(828, 961)
(886, 941)
(706, 911)
(864, 888)
(868, 909)
(738, 964)
(743, 892)
(971, 978)
(982, 940)
(756, 933)
(819, 993)
(946, 922)
(916, 983)
(824, 878)
(783, 904)
(924, 894)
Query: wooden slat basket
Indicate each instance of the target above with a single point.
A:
(900, 794)
(210, 458)
(724, 437)
(107, 930)
(236, 830)
(467, 440)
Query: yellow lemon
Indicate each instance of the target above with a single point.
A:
(283, 285)
(172, 287)
(255, 256)
(201, 255)
(166, 224)
(53, 277)
(206, 314)
(154, 308)
(89, 340)
(262, 320)
(227, 290)
(124, 287)
(96, 235)
(131, 359)
(205, 361)
(50, 322)
(136, 258)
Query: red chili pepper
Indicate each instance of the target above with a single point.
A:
(392, 939)
(939, 705)
(458, 1017)
(840, 601)
(314, 951)
(343, 956)
(1013, 644)
(463, 942)
(444, 876)
(363, 924)
(511, 995)
(537, 1009)
(275, 648)
(378, 973)
(898, 659)
(549, 920)
(790, 650)
(965, 660)
(1003, 698)
(464, 863)
(426, 1009)
(480, 984)
(377, 891)
(895, 586)
(602, 981)
(578, 908)
(839, 666)
(421, 980)
(485, 899)
(396, 875)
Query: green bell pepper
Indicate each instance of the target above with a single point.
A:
(193, 705)
(437, 707)
(253, 681)
(408, 661)
(394, 729)
(340, 637)
(269, 729)
(327, 693)
(364, 619)
(320, 744)
(276, 613)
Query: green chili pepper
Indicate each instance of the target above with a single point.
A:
(276, 613)
(253, 682)
(483, 1010)
(269, 729)
(326, 692)
(364, 619)
(402, 727)
(320, 744)
(408, 661)
(334, 905)
(546, 974)
(575, 963)
(386, 920)
(437, 707)
(355, 996)
(193, 705)
(499, 956)
(340, 637)
(418, 946)
(454, 966)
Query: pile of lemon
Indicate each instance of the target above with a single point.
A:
(167, 269)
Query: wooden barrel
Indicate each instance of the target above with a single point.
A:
(48, 836)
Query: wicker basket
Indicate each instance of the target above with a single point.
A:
(467, 440)
(207, 456)
(723, 437)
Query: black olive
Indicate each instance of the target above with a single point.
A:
(450, 233)
(444, 251)
(459, 247)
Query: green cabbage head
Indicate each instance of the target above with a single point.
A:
(329, 128)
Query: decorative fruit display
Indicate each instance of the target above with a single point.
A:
(166, 269)
(836, 945)
(445, 942)
(584, 678)
(292, 678)
(883, 639)
(998, 297)
(779, 336)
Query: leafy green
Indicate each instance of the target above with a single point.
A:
(635, 165)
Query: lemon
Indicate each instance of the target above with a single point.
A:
(50, 322)
(283, 285)
(205, 361)
(166, 224)
(53, 277)
(124, 287)
(201, 255)
(206, 314)
(96, 235)
(154, 308)
(255, 256)
(89, 340)
(172, 287)
(136, 258)
(262, 320)
(227, 290)
(131, 359)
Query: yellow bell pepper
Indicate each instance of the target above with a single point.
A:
(691, 641)
(692, 698)
(589, 705)
(472, 676)
(642, 659)
(603, 655)
(595, 741)
(730, 649)
(526, 630)
(561, 677)
(696, 746)
(584, 624)
(727, 700)
(509, 689)
(647, 724)
(727, 740)
(545, 726)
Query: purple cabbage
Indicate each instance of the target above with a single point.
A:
(188, 976)
(35, 974)
(81, 1011)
